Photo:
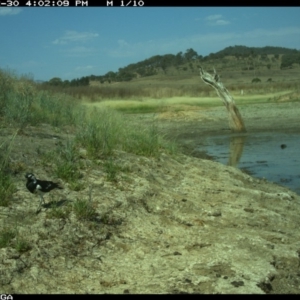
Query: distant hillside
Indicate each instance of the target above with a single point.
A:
(244, 51)
(233, 58)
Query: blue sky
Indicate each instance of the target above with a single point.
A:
(74, 42)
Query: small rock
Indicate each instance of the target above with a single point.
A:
(215, 214)
(237, 283)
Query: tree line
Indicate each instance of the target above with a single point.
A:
(160, 63)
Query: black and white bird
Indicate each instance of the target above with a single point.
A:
(40, 187)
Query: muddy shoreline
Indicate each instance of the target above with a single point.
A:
(188, 129)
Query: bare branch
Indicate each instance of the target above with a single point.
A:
(236, 122)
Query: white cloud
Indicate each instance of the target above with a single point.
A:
(213, 17)
(8, 11)
(221, 22)
(213, 20)
(74, 36)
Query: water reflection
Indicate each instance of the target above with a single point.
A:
(236, 147)
(274, 156)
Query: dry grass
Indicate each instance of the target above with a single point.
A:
(179, 84)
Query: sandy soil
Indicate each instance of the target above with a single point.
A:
(177, 224)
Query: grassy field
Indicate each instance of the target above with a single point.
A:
(185, 85)
(187, 103)
(179, 92)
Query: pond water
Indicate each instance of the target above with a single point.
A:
(274, 156)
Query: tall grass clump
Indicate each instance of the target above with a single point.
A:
(100, 132)
(6, 235)
(6, 87)
(7, 187)
(55, 109)
(18, 103)
(84, 210)
(67, 162)
(104, 130)
(145, 141)
(22, 103)
(11, 237)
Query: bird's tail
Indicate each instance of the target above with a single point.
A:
(58, 186)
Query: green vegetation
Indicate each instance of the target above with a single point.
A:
(58, 212)
(246, 51)
(105, 130)
(99, 131)
(7, 187)
(111, 169)
(22, 104)
(255, 80)
(22, 245)
(6, 235)
(289, 59)
(67, 162)
(11, 237)
(145, 142)
(145, 68)
(250, 58)
(84, 210)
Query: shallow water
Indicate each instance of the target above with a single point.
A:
(274, 156)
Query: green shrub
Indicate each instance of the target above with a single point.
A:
(255, 80)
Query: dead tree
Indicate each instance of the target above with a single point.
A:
(236, 122)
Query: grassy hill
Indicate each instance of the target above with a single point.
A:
(185, 65)
(253, 70)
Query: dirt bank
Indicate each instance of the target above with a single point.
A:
(167, 225)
